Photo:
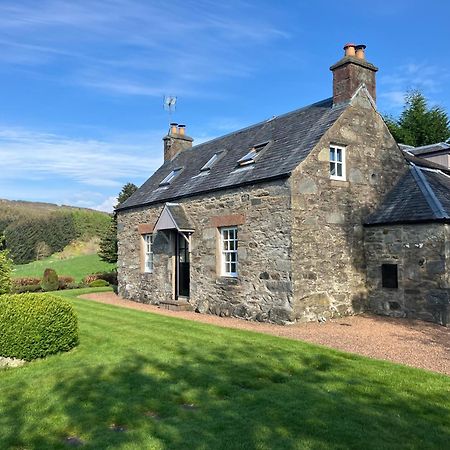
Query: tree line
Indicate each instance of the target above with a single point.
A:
(32, 234)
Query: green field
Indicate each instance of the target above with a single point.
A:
(143, 381)
(77, 267)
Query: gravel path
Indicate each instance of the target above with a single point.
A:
(411, 342)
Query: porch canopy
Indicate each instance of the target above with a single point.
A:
(174, 217)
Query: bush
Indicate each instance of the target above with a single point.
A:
(50, 281)
(27, 288)
(25, 281)
(36, 325)
(74, 285)
(110, 277)
(98, 283)
(5, 272)
(65, 281)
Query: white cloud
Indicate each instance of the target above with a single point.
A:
(29, 155)
(107, 205)
(427, 78)
(149, 49)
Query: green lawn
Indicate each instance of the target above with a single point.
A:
(249, 391)
(77, 267)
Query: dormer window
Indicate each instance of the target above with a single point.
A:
(337, 163)
(170, 177)
(211, 161)
(250, 157)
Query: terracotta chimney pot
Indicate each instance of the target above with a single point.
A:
(349, 49)
(173, 128)
(360, 51)
(182, 130)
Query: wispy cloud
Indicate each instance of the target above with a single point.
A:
(28, 155)
(148, 46)
(427, 78)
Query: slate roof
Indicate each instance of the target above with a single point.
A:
(428, 149)
(421, 195)
(422, 162)
(292, 136)
(180, 217)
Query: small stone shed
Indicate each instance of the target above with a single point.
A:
(407, 244)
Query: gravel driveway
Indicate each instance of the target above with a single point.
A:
(411, 342)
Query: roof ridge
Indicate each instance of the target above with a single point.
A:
(442, 145)
(428, 193)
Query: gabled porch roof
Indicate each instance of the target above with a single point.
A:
(174, 217)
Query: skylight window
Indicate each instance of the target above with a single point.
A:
(170, 177)
(210, 162)
(250, 157)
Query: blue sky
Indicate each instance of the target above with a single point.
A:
(82, 82)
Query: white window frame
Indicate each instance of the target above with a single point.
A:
(337, 163)
(148, 252)
(169, 178)
(251, 156)
(228, 253)
(211, 161)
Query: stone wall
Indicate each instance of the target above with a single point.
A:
(421, 252)
(263, 289)
(328, 252)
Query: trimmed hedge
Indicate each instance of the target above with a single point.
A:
(110, 277)
(98, 283)
(36, 325)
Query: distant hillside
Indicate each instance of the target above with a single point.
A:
(36, 230)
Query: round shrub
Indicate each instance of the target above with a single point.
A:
(50, 281)
(98, 283)
(36, 325)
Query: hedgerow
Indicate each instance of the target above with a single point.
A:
(36, 325)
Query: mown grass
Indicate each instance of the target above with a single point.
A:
(174, 384)
(77, 267)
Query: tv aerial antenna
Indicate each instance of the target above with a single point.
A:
(169, 104)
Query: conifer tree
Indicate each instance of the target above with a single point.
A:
(418, 124)
(108, 243)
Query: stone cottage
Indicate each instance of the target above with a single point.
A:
(268, 223)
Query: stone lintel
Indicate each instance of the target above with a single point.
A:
(145, 228)
(227, 220)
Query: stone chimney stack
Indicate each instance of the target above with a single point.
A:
(176, 141)
(351, 72)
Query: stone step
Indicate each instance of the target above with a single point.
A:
(179, 305)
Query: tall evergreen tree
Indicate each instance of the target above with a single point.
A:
(108, 243)
(418, 124)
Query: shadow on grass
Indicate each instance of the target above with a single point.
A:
(234, 398)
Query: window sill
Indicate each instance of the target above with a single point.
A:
(227, 280)
(339, 182)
